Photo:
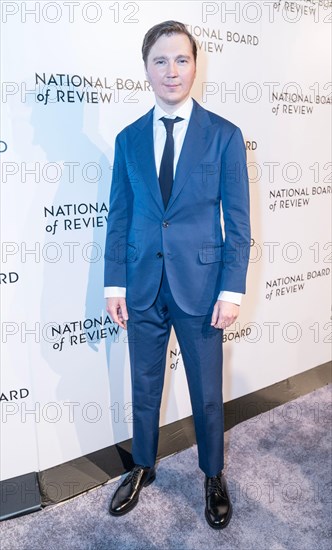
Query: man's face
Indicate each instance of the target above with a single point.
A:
(171, 70)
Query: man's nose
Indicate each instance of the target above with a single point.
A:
(172, 69)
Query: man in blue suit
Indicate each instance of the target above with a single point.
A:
(167, 262)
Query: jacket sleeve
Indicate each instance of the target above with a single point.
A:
(235, 207)
(119, 217)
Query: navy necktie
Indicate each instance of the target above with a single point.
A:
(167, 162)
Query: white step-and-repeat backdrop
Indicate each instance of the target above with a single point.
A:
(72, 78)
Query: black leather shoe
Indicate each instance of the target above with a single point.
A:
(218, 511)
(126, 496)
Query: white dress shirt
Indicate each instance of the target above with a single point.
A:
(159, 139)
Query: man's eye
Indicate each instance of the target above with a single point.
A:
(182, 61)
(160, 62)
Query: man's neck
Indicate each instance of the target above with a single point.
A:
(170, 109)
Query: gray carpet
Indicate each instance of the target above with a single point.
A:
(279, 475)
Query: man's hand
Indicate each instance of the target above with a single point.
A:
(224, 314)
(117, 309)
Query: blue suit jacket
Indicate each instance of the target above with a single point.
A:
(199, 260)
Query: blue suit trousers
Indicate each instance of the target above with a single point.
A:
(201, 349)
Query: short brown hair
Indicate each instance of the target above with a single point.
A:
(166, 28)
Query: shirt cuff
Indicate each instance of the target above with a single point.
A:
(114, 292)
(227, 296)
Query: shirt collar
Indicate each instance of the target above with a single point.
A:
(184, 111)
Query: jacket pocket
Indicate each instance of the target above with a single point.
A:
(210, 253)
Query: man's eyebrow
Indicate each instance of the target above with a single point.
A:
(165, 57)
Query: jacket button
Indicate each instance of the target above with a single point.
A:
(159, 254)
(165, 224)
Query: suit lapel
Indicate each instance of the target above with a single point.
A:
(145, 157)
(193, 149)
